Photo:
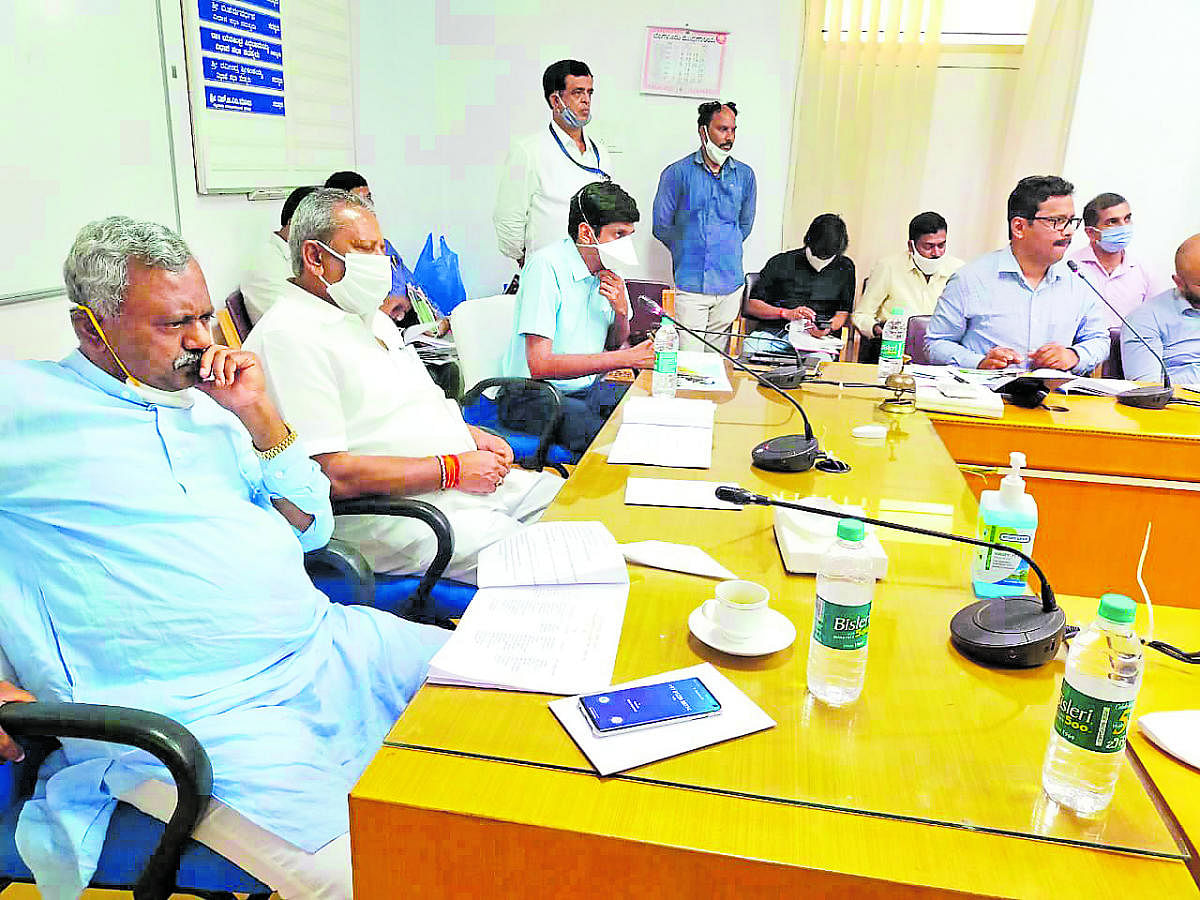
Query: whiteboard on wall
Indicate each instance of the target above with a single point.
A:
(271, 88)
(85, 134)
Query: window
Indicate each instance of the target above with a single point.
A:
(963, 21)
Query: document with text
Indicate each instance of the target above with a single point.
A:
(547, 617)
(665, 431)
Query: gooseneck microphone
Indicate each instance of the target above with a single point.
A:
(1142, 397)
(1012, 632)
(787, 453)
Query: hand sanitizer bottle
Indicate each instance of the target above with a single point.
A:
(1008, 516)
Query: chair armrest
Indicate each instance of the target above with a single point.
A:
(411, 509)
(350, 564)
(547, 436)
(163, 738)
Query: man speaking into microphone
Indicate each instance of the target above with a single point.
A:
(1020, 306)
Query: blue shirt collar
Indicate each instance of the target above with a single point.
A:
(576, 267)
(1181, 305)
(98, 378)
(1006, 262)
(730, 163)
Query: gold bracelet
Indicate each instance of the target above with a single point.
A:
(272, 452)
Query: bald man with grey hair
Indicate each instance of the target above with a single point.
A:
(1169, 323)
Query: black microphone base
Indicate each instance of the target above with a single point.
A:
(1147, 397)
(1008, 632)
(786, 376)
(788, 453)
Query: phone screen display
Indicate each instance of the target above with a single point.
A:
(649, 704)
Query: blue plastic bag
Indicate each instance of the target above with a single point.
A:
(440, 278)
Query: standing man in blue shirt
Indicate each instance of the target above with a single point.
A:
(1021, 306)
(703, 211)
(572, 318)
(1170, 323)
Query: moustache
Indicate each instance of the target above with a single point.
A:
(188, 359)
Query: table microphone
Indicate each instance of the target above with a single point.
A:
(1142, 397)
(1011, 632)
(787, 453)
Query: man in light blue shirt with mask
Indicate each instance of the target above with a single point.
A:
(1170, 323)
(1020, 306)
(155, 509)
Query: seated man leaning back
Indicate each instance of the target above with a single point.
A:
(572, 318)
(155, 510)
(371, 415)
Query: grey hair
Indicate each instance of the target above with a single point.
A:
(315, 219)
(96, 271)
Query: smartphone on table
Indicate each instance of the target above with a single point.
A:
(614, 712)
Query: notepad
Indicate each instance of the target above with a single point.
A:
(665, 431)
(547, 617)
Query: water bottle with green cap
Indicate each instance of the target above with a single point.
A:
(1095, 710)
(893, 339)
(837, 653)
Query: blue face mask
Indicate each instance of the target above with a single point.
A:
(572, 120)
(1115, 238)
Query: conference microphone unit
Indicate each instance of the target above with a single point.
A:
(787, 453)
(1010, 632)
(1141, 397)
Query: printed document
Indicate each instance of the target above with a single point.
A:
(665, 431)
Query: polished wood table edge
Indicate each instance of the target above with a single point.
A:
(1159, 772)
(799, 847)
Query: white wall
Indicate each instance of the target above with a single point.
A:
(443, 88)
(1135, 129)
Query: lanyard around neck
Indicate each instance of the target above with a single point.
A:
(596, 150)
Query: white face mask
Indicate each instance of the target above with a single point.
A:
(363, 287)
(929, 267)
(715, 153)
(815, 261)
(619, 256)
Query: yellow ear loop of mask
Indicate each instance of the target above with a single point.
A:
(104, 337)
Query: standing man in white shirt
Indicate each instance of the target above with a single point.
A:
(547, 168)
(271, 266)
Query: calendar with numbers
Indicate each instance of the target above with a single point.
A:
(680, 62)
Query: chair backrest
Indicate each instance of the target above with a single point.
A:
(235, 304)
(914, 345)
(643, 321)
(749, 323)
(482, 329)
(1113, 367)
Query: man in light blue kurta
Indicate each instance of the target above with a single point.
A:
(1170, 323)
(1020, 306)
(152, 557)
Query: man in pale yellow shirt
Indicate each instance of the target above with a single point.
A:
(911, 281)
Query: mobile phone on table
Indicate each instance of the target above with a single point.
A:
(613, 712)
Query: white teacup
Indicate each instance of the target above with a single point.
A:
(739, 609)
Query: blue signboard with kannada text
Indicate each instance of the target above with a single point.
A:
(268, 5)
(227, 71)
(240, 45)
(219, 12)
(242, 101)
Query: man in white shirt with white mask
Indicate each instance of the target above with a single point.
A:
(371, 416)
(545, 169)
(572, 318)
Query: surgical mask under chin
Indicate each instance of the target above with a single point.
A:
(572, 120)
(815, 261)
(1115, 238)
(365, 284)
(715, 153)
(183, 399)
(927, 266)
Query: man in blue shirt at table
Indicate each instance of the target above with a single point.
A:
(1170, 323)
(572, 318)
(155, 509)
(1021, 306)
(703, 211)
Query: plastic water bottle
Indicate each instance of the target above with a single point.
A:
(666, 360)
(837, 652)
(1095, 709)
(891, 351)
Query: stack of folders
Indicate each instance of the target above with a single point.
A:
(665, 431)
(548, 614)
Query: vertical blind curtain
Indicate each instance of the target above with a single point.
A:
(861, 126)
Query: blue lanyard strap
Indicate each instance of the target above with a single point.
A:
(595, 171)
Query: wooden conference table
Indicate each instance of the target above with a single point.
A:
(928, 785)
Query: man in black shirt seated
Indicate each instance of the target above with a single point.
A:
(814, 283)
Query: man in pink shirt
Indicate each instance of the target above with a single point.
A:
(1106, 262)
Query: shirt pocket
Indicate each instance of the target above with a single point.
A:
(729, 200)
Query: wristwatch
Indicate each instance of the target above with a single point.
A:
(272, 452)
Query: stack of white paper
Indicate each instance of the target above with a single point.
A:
(676, 492)
(547, 616)
(700, 371)
(665, 431)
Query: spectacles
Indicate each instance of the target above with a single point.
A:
(1058, 223)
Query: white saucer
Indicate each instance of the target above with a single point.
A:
(777, 633)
